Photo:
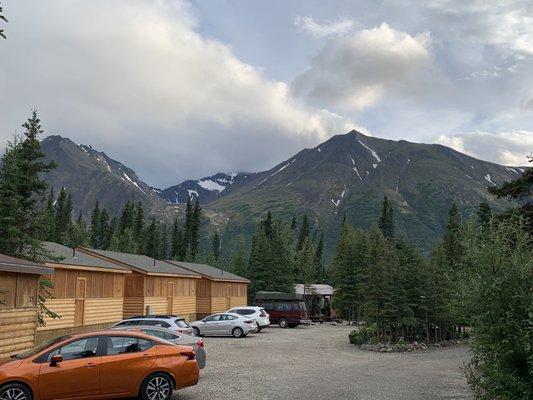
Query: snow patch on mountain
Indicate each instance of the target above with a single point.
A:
(374, 154)
(209, 184)
(488, 179)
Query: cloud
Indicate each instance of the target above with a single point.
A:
(358, 70)
(507, 148)
(136, 79)
(504, 24)
(308, 24)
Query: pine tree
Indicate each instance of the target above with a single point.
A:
(62, 217)
(104, 231)
(78, 236)
(304, 233)
(238, 264)
(386, 220)
(215, 247)
(47, 219)
(192, 253)
(139, 224)
(152, 240)
(187, 231)
(176, 240)
(22, 189)
(453, 239)
(94, 231)
(484, 214)
(123, 242)
(320, 272)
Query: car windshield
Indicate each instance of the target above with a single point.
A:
(181, 323)
(41, 347)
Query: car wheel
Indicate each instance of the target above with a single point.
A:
(283, 323)
(196, 331)
(237, 332)
(157, 386)
(16, 391)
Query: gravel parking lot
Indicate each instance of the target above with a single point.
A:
(317, 362)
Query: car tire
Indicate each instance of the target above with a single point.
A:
(283, 323)
(16, 391)
(237, 332)
(259, 327)
(196, 331)
(155, 384)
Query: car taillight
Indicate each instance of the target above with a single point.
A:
(189, 354)
(263, 314)
(200, 343)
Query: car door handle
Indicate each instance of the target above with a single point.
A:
(147, 356)
(90, 365)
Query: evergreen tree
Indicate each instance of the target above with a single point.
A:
(22, 189)
(62, 217)
(177, 250)
(47, 219)
(139, 224)
(189, 226)
(320, 271)
(123, 242)
(484, 214)
(104, 231)
(215, 242)
(152, 240)
(386, 220)
(453, 240)
(192, 253)
(94, 231)
(304, 233)
(163, 241)
(238, 264)
(78, 235)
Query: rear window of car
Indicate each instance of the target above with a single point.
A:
(181, 323)
(281, 306)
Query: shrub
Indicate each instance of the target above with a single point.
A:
(363, 335)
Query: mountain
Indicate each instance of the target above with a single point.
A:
(206, 190)
(91, 175)
(348, 176)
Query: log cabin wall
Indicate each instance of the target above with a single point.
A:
(83, 298)
(134, 295)
(203, 298)
(225, 295)
(171, 295)
(18, 312)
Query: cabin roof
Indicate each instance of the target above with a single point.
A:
(68, 256)
(210, 272)
(145, 264)
(12, 264)
(315, 288)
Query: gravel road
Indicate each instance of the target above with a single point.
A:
(317, 362)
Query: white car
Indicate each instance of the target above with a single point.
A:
(258, 314)
(224, 324)
(173, 322)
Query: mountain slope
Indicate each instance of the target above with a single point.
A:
(91, 175)
(206, 189)
(349, 175)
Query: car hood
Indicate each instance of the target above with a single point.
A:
(9, 362)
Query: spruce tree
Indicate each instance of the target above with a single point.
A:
(215, 247)
(47, 219)
(238, 264)
(192, 253)
(187, 231)
(63, 217)
(320, 272)
(152, 239)
(22, 190)
(139, 224)
(453, 239)
(94, 230)
(304, 233)
(386, 220)
(104, 231)
(78, 236)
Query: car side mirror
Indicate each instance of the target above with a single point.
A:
(56, 359)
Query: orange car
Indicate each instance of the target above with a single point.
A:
(99, 365)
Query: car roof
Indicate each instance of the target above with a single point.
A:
(246, 308)
(172, 317)
(110, 333)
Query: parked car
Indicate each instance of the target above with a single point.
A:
(172, 322)
(224, 324)
(258, 314)
(173, 337)
(288, 310)
(111, 364)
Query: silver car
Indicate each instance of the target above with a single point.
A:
(173, 337)
(224, 324)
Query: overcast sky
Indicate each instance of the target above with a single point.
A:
(179, 90)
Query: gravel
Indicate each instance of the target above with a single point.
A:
(317, 362)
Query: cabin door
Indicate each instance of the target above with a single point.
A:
(170, 297)
(81, 288)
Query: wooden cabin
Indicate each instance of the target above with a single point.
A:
(217, 290)
(19, 287)
(154, 286)
(87, 293)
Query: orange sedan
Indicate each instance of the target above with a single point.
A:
(99, 365)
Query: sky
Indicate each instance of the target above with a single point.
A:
(183, 89)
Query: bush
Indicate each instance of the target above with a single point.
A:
(363, 335)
